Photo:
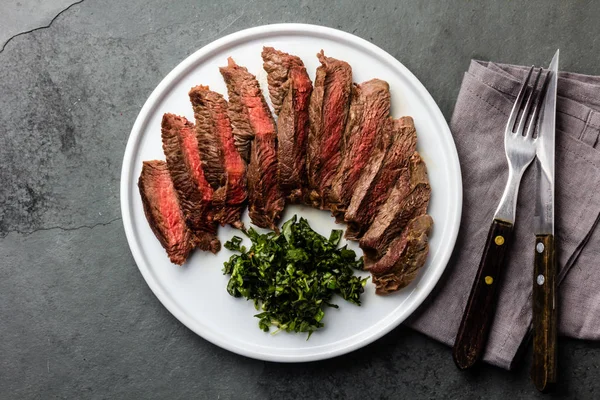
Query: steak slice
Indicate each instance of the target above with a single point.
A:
(265, 199)
(247, 106)
(264, 196)
(278, 66)
(388, 161)
(408, 199)
(163, 212)
(404, 258)
(357, 214)
(327, 113)
(290, 89)
(211, 151)
(369, 109)
(211, 109)
(180, 146)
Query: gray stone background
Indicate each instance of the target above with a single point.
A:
(76, 318)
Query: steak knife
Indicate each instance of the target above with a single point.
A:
(520, 149)
(543, 369)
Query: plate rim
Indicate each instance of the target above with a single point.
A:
(232, 40)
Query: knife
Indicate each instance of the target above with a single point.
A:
(543, 369)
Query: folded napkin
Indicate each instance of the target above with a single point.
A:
(485, 100)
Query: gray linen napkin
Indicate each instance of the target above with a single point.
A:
(485, 100)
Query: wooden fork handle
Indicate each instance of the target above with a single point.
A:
(478, 315)
(543, 369)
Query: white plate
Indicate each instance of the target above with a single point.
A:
(195, 293)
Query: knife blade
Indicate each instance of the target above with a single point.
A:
(544, 205)
(544, 366)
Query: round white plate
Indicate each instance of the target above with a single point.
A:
(196, 293)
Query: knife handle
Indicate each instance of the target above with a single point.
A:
(478, 315)
(543, 369)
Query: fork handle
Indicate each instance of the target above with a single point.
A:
(478, 315)
(543, 368)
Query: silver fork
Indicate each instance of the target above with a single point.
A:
(519, 146)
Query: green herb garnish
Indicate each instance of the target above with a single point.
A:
(292, 275)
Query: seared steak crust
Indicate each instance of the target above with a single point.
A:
(211, 152)
(290, 89)
(278, 65)
(245, 99)
(265, 200)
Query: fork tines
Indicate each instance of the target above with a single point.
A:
(534, 95)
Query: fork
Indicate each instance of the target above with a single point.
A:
(520, 148)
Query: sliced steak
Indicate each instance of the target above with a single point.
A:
(369, 109)
(328, 112)
(278, 65)
(290, 89)
(265, 199)
(264, 196)
(357, 214)
(195, 194)
(163, 212)
(211, 112)
(408, 199)
(387, 162)
(246, 106)
(404, 257)
(211, 151)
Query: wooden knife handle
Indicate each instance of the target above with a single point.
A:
(478, 315)
(543, 369)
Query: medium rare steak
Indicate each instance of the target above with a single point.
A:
(213, 129)
(193, 190)
(369, 109)
(408, 199)
(290, 89)
(404, 257)
(264, 196)
(386, 164)
(163, 212)
(246, 104)
(328, 111)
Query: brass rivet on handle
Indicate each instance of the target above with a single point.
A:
(499, 240)
(489, 280)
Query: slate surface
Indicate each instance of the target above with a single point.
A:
(77, 319)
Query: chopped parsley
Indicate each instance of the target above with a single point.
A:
(291, 276)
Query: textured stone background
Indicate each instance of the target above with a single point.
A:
(76, 318)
